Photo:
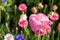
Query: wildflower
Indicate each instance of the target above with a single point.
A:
(40, 5)
(20, 37)
(8, 37)
(39, 22)
(54, 16)
(23, 21)
(54, 7)
(22, 7)
(34, 10)
(4, 0)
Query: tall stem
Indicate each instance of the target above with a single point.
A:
(7, 18)
(23, 12)
(39, 37)
(15, 15)
(51, 4)
(7, 22)
(0, 16)
(58, 34)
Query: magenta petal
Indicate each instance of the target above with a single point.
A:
(39, 21)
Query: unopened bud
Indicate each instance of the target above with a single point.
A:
(40, 5)
(12, 31)
(54, 7)
(16, 28)
(34, 10)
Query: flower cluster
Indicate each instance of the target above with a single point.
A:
(39, 23)
(11, 37)
(23, 18)
(23, 21)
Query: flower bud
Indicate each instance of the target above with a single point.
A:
(16, 28)
(23, 21)
(54, 7)
(40, 5)
(34, 10)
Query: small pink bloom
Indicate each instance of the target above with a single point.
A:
(39, 22)
(23, 21)
(54, 16)
(22, 7)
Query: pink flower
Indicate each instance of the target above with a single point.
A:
(22, 7)
(23, 21)
(54, 16)
(39, 22)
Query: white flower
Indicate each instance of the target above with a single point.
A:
(8, 37)
(23, 17)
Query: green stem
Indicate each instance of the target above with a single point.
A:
(52, 37)
(15, 15)
(58, 34)
(26, 31)
(51, 4)
(53, 25)
(7, 22)
(7, 18)
(39, 38)
(43, 37)
(16, 31)
(0, 15)
(45, 9)
(48, 37)
(23, 12)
